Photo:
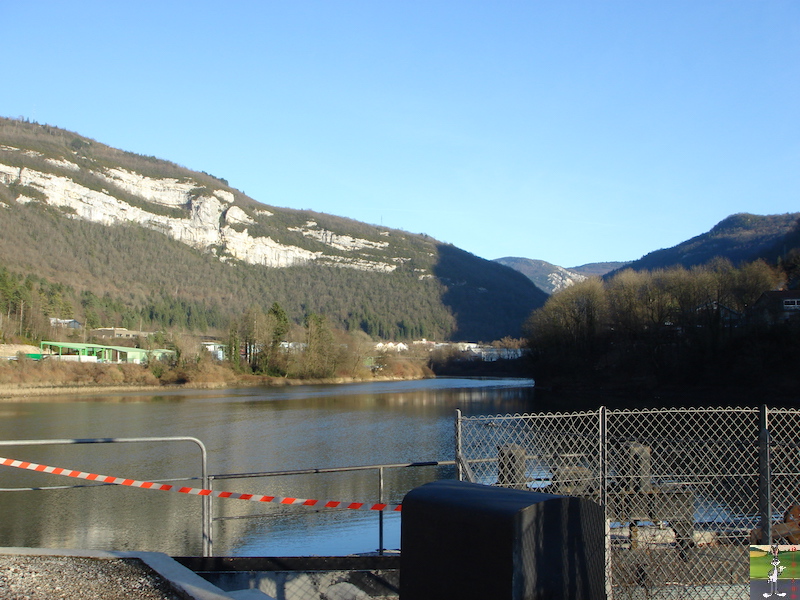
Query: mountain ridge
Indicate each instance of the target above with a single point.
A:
(740, 237)
(76, 194)
(552, 278)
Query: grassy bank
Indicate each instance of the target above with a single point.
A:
(28, 378)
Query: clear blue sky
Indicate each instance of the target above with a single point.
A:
(571, 132)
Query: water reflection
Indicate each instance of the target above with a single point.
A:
(245, 430)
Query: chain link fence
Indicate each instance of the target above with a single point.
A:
(685, 491)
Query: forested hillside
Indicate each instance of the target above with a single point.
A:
(702, 326)
(738, 238)
(139, 272)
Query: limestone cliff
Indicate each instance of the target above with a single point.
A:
(547, 277)
(197, 216)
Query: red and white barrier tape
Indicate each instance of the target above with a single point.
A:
(20, 464)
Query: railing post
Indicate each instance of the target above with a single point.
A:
(380, 512)
(208, 545)
(764, 487)
(459, 457)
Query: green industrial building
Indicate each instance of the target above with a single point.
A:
(98, 353)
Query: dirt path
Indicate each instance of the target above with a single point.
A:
(11, 350)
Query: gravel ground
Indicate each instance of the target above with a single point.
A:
(53, 577)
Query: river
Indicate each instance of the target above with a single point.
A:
(245, 430)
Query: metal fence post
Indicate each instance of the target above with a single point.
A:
(764, 488)
(459, 456)
(380, 512)
(208, 544)
(602, 415)
(511, 466)
(603, 426)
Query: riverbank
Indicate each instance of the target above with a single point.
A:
(35, 392)
(22, 377)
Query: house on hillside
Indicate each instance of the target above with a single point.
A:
(119, 332)
(391, 347)
(215, 349)
(777, 307)
(293, 347)
(715, 311)
(425, 344)
(65, 323)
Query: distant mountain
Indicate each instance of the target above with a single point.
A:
(547, 277)
(741, 237)
(598, 269)
(551, 278)
(138, 240)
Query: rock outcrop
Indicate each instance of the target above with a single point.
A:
(209, 219)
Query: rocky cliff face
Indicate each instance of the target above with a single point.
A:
(181, 208)
(548, 277)
(561, 278)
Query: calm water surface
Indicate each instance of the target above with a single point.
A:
(245, 430)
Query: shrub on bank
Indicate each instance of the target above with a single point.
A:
(136, 375)
(203, 373)
(405, 368)
(25, 371)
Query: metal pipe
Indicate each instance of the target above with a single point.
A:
(434, 463)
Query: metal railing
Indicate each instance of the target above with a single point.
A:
(205, 513)
(380, 470)
(207, 517)
(685, 491)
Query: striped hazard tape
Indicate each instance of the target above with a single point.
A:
(150, 485)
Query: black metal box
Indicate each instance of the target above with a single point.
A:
(463, 540)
